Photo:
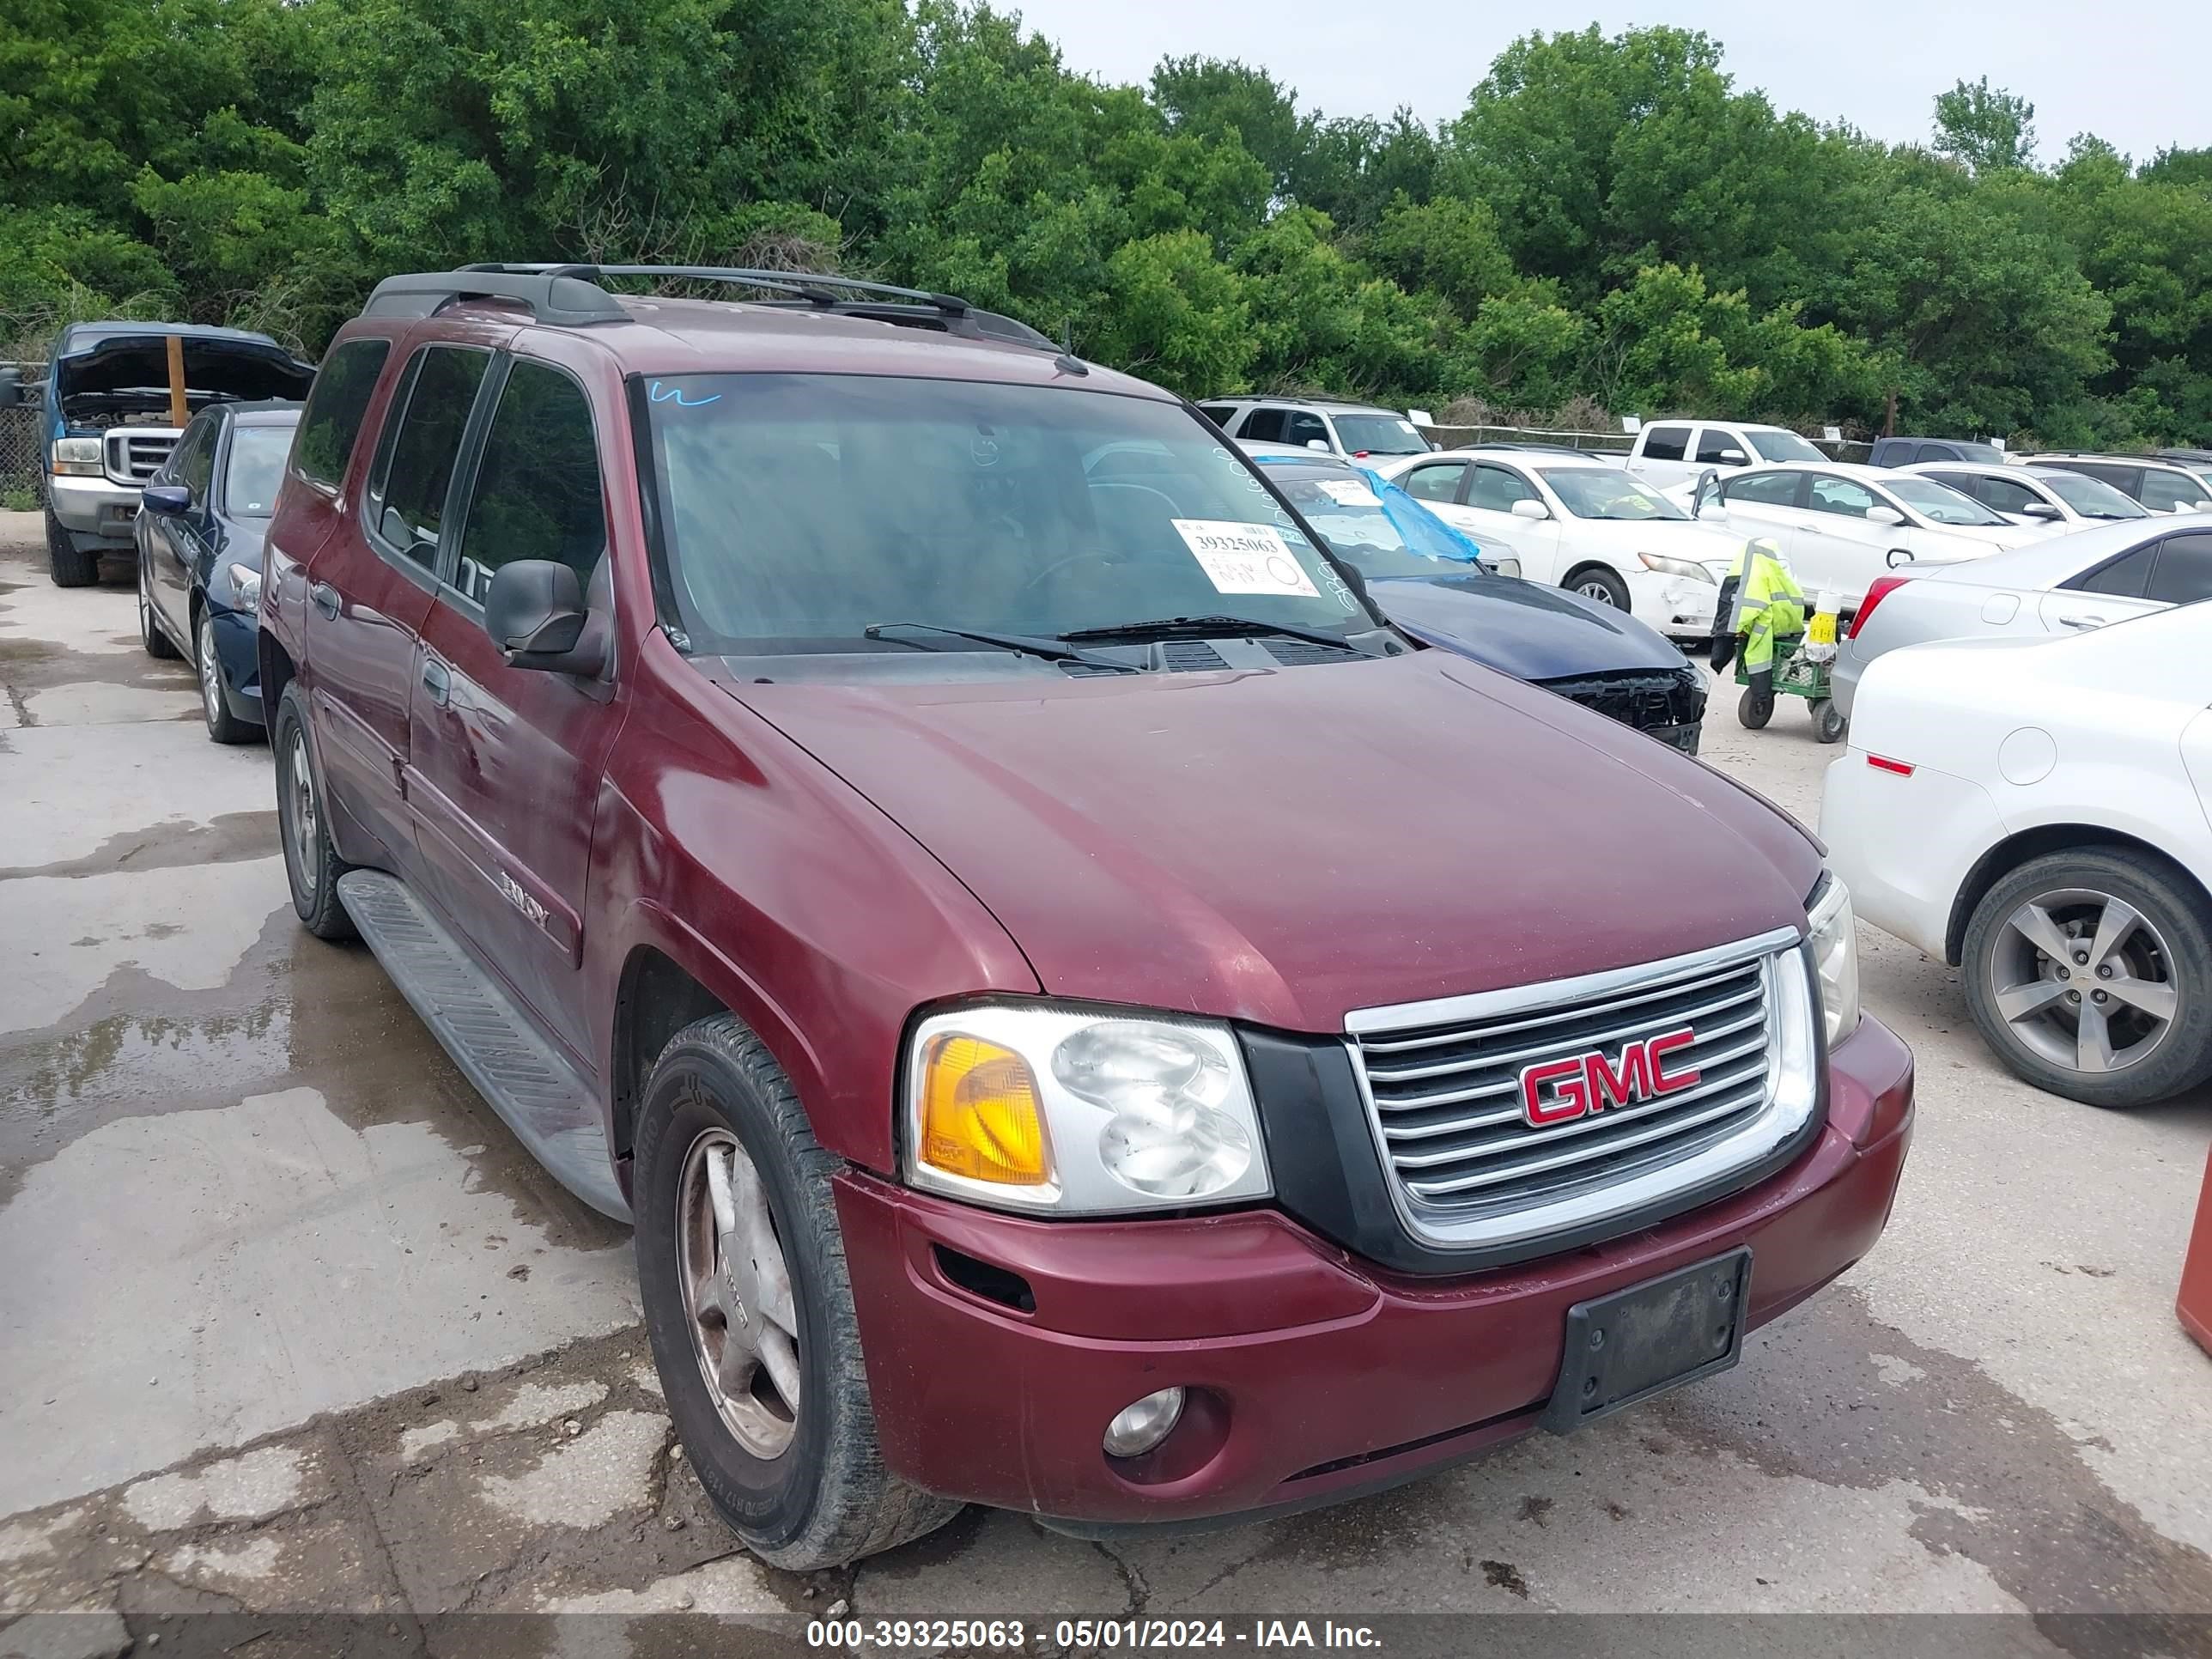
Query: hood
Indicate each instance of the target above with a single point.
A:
(1530, 630)
(246, 367)
(1285, 846)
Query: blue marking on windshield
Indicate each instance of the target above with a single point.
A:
(674, 395)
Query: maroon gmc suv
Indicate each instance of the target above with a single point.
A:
(1085, 1016)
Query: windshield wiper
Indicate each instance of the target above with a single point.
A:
(1054, 650)
(1171, 627)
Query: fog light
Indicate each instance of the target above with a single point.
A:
(1141, 1425)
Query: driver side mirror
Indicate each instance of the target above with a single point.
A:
(1322, 444)
(1734, 457)
(166, 500)
(1525, 508)
(2043, 510)
(1884, 515)
(534, 612)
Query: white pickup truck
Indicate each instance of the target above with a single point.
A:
(1670, 453)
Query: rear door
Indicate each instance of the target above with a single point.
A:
(1720, 448)
(1662, 454)
(370, 586)
(2113, 592)
(504, 764)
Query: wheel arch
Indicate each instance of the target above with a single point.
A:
(278, 672)
(655, 998)
(2017, 849)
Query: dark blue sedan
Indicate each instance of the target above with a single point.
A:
(1425, 577)
(199, 528)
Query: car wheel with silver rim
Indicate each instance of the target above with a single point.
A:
(222, 726)
(2090, 974)
(312, 864)
(1595, 583)
(741, 1266)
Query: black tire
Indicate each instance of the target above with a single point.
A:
(69, 565)
(1753, 709)
(1595, 581)
(2178, 945)
(1828, 722)
(825, 1500)
(222, 726)
(158, 645)
(312, 864)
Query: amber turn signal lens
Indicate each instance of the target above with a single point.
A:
(979, 1113)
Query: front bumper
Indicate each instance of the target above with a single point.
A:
(1313, 1376)
(237, 652)
(1676, 605)
(95, 509)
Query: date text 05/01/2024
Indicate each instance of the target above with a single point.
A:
(1086, 1635)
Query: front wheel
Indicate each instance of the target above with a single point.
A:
(1828, 722)
(1595, 583)
(222, 726)
(2090, 975)
(69, 565)
(750, 1309)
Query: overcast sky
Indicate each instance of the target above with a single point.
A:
(2139, 76)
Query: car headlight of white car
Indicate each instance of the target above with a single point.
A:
(77, 457)
(1835, 956)
(1688, 569)
(1080, 1111)
(1500, 564)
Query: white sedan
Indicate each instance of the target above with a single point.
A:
(2067, 584)
(2050, 496)
(1585, 525)
(2035, 812)
(1840, 525)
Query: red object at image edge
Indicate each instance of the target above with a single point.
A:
(2195, 1302)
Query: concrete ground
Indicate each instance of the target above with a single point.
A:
(289, 1324)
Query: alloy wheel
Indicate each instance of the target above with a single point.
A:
(740, 1308)
(2084, 979)
(1597, 590)
(302, 821)
(211, 671)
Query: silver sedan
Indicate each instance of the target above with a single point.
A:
(2069, 583)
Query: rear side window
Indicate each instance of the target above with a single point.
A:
(1666, 443)
(1263, 426)
(1713, 443)
(2184, 573)
(1219, 414)
(537, 491)
(1771, 488)
(2127, 480)
(336, 404)
(2164, 491)
(1436, 482)
(2123, 578)
(415, 463)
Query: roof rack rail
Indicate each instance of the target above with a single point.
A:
(572, 296)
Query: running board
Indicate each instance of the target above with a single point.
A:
(539, 1095)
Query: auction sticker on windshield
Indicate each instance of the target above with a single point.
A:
(1347, 492)
(1245, 558)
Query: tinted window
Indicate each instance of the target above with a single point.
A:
(1380, 434)
(1219, 414)
(256, 468)
(1497, 490)
(1666, 443)
(2123, 578)
(2126, 479)
(1784, 446)
(415, 468)
(2184, 572)
(192, 457)
(1830, 494)
(1264, 425)
(1713, 440)
(1771, 488)
(1304, 428)
(334, 405)
(2005, 495)
(1439, 483)
(2164, 491)
(537, 487)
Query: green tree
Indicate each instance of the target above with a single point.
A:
(1987, 129)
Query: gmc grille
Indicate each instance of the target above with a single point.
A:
(135, 454)
(1445, 1088)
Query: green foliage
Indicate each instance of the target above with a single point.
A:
(1611, 218)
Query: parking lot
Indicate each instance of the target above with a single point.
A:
(290, 1323)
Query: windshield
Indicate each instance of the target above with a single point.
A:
(2093, 498)
(1378, 434)
(257, 467)
(1940, 503)
(797, 509)
(1607, 492)
(1784, 446)
(1373, 525)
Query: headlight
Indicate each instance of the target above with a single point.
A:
(1077, 1112)
(1500, 564)
(77, 457)
(1688, 569)
(1836, 953)
(245, 582)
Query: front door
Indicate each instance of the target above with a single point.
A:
(174, 539)
(504, 764)
(1488, 513)
(1837, 549)
(369, 590)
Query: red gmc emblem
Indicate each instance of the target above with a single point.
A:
(1561, 1091)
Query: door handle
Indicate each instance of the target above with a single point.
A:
(2082, 621)
(437, 680)
(325, 598)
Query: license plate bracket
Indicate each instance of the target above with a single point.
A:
(1625, 1347)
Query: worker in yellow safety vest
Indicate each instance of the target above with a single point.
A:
(1759, 601)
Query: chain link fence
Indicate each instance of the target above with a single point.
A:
(23, 467)
(1599, 443)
